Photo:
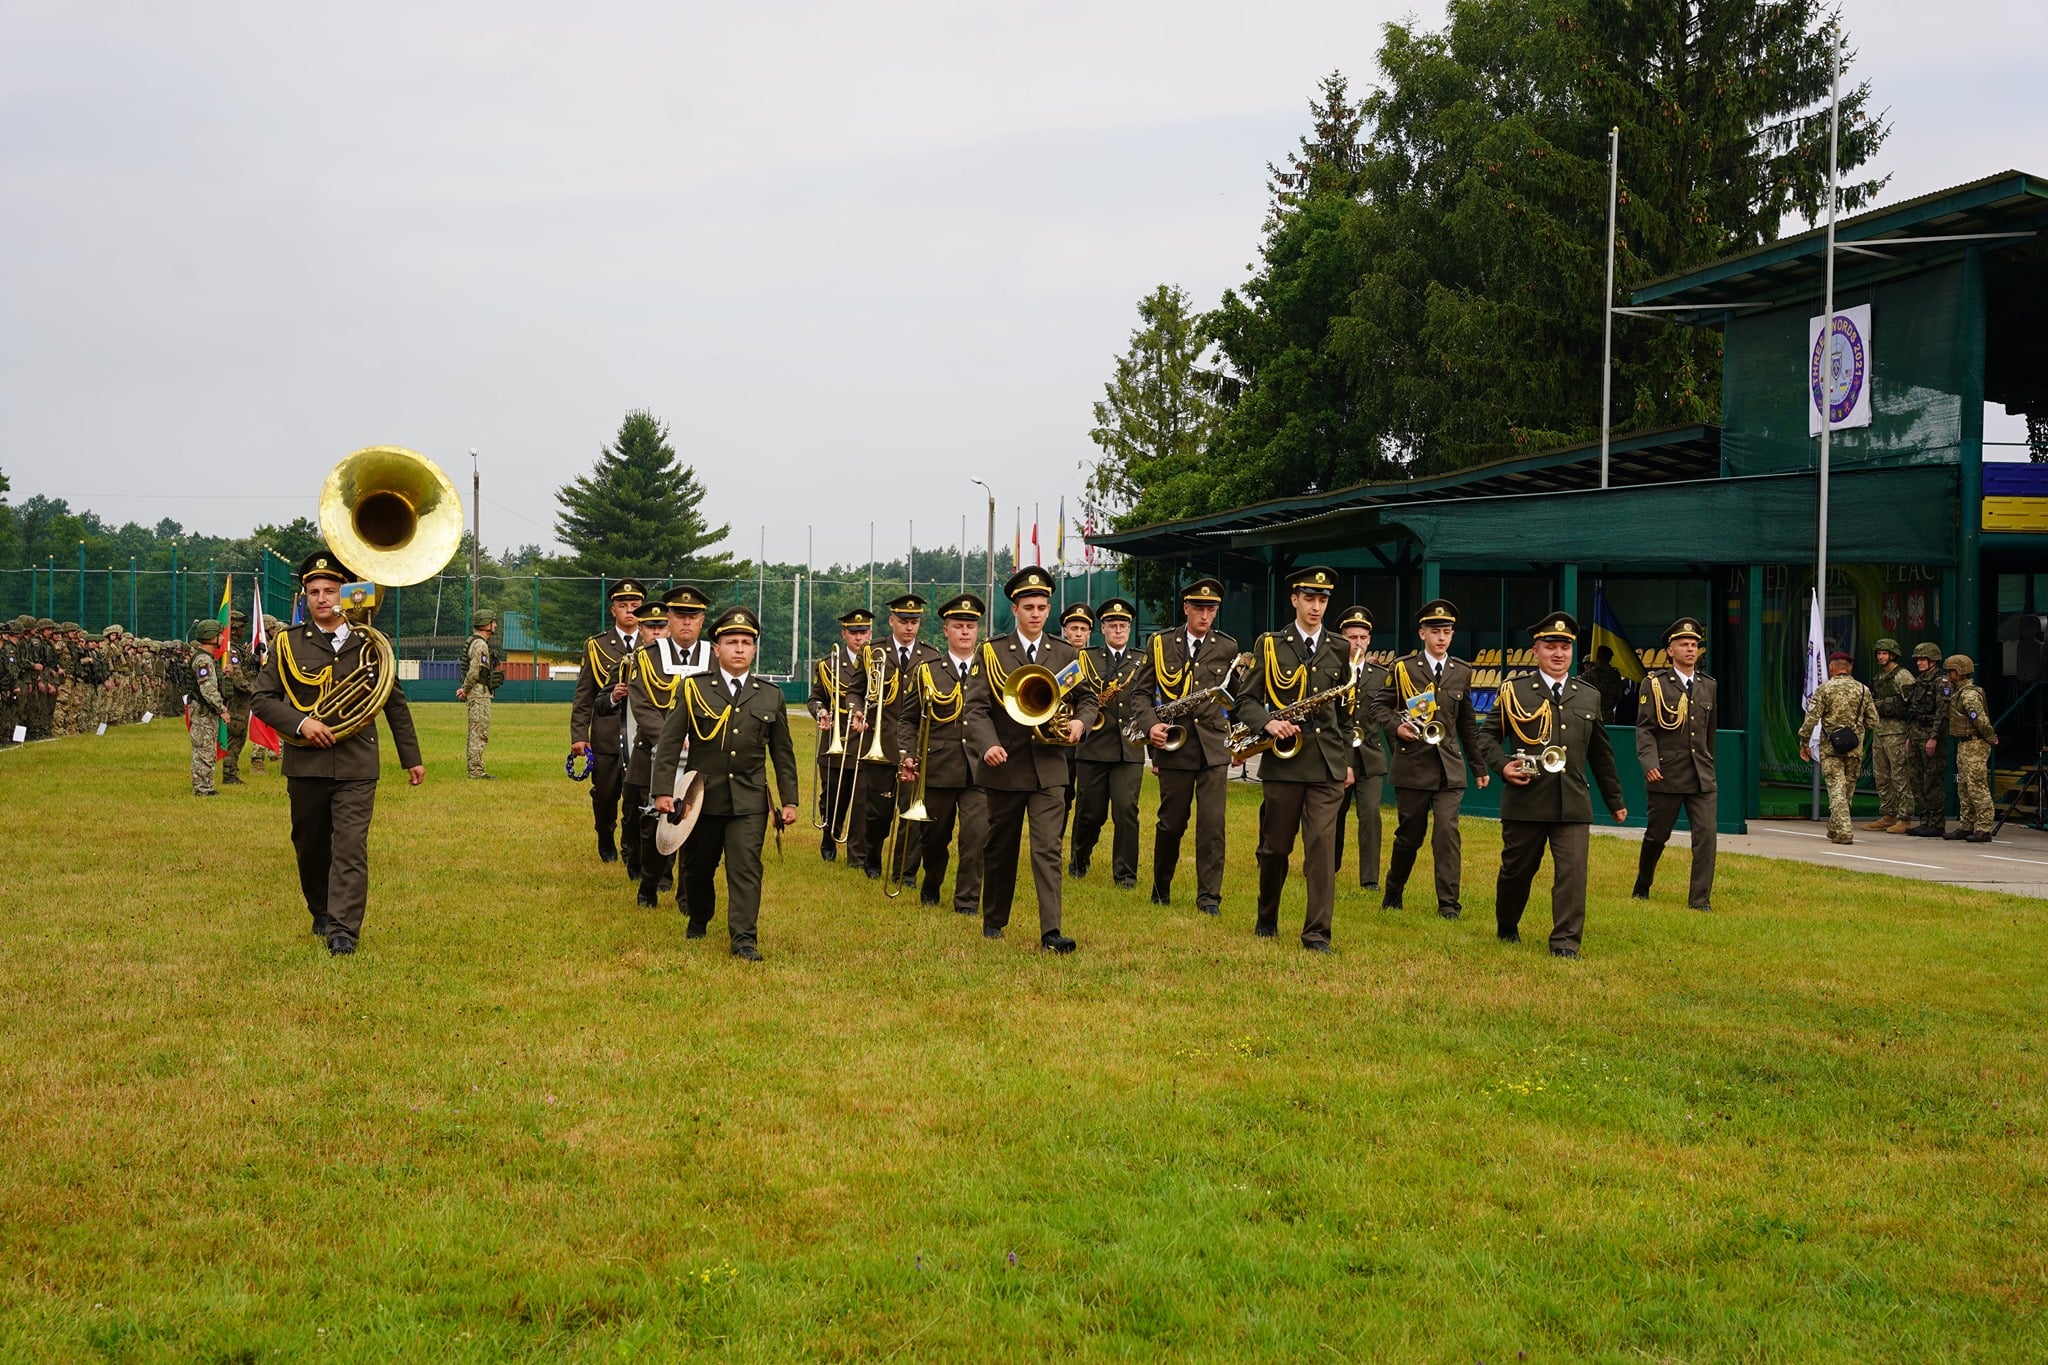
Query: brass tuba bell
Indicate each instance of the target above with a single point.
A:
(391, 515)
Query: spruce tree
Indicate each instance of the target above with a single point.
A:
(636, 513)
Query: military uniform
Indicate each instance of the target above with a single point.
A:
(1969, 725)
(1368, 760)
(483, 671)
(333, 791)
(601, 728)
(1030, 784)
(935, 696)
(1675, 730)
(10, 681)
(838, 775)
(1109, 770)
(729, 731)
(882, 794)
(1840, 704)
(1193, 778)
(1530, 714)
(1927, 721)
(653, 692)
(1429, 779)
(205, 707)
(1890, 757)
(1605, 679)
(238, 685)
(1300, 789)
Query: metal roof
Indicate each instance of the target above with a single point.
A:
(2000, 210)
(1671, 454)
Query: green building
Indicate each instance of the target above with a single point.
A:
(1720, 522)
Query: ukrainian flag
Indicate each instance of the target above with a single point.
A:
(1607, 631)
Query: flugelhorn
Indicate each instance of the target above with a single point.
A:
(1552, 760)
(392, 516)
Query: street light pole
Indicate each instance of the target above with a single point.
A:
(987, 603)
(476, 521)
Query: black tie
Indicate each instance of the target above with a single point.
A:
(732, 686)
(1436, 674)
(1031, 654)
(1557, 693)
(1310, 642)
(960, 670)
(1194, 648)
(1687, 685)
(902, 657)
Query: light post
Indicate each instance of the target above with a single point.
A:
(988, 603)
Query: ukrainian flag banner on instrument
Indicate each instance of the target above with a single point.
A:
(1607, 631)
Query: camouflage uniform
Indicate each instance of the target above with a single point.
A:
(1969, 724)
(1840, 703)
(208, 706)
(479, 675)
(41, 679)
(238, 685)
(1890, 760)
(1926, 715)
(10, 681)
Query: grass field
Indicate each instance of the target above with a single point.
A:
(530, 1121)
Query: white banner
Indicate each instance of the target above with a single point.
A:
(1838, 377)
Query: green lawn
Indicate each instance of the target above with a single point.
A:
(530, 1121)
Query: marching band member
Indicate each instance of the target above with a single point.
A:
(1022, 773)
(600, 733)
(901, 652)
(933, 705)
(831, 706)
(1429, 688)
(1302, 773)
(1675, 744)
(1194, 777)
(1547, 802)
(1109, 768)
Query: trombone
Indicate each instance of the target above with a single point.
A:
(896, 868)
(876, 669)
(841, 723)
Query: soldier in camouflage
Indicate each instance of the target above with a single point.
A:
(1890, 757)
(238, 686)
(1969, 725)
(1927, 713)
(1845, 713)
(482, 674)
(208, 707)
(10, 679)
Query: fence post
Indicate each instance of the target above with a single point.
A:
(81, 585)
(536, 635)
(131, 597)
(110, 594)
(397, 624)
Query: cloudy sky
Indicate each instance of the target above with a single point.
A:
(855, 256)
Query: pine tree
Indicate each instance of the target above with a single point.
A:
(637, 513)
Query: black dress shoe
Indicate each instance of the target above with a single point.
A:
(829, 853)
(1511, 936)
(1209, 907)
(340, 943)
(1703, 909)
(1569, 953)
(1316, 946)
(1641, 893)
(693, 931)
(1391, 901)
(607, 855)
(1266, 930)
(632, 871)
(1368, 886)
(1077, 868)
(927, 898)
(967, 910)
(1450, 911)
(666, 884)
(1053, 941)
(874, 873)
(1160, 895)
(746, 952)
(987, 932)
(645, 897)
(1127, 883)
(323, 927)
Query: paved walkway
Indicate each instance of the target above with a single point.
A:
(2016, 862)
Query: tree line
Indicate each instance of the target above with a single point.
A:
(1428, 290)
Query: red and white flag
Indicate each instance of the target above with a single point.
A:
(259, 733)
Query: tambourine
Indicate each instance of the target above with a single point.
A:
(569, 766)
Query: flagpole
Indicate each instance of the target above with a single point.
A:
(1827, 351)
(1607, 303)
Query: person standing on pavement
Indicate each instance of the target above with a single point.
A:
(1843, 709)
(1675, 728)
(1890, 759)
(1969, 725)
(1927, 708)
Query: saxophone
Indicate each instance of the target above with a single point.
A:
(1245, 741)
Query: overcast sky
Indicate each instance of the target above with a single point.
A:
(855, 256)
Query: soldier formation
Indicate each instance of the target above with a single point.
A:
(58, 679)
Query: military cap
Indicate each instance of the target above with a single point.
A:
(651, 614)
(1077, 611)
(206, 630)
(1685, 628)
(965, 607)
(1315, 578)
(1437, 611)
(1927, 649)
(1028, 580)
(860, 618)
(324, 564)
(1842, 656)
(483, 616)
(627, 587)
(1556, 625)
(736, 621)
(910, 604)
(1888, 645)
(1959, 663)
(683, 599)
(1208, 590)
(1355, 616)
(1116, 609)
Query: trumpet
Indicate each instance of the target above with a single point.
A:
(1422, 715)
(1553, 759)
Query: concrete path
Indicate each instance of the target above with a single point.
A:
(2016, 862)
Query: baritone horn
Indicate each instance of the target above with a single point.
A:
(393, 517)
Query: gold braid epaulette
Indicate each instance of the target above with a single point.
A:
(932, 699)
(694, 697)
(1663, 716)
(1517, 717)
(595, 657)
(1172, 682)
(1276, 681)
(661, 695)
(288, 672)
